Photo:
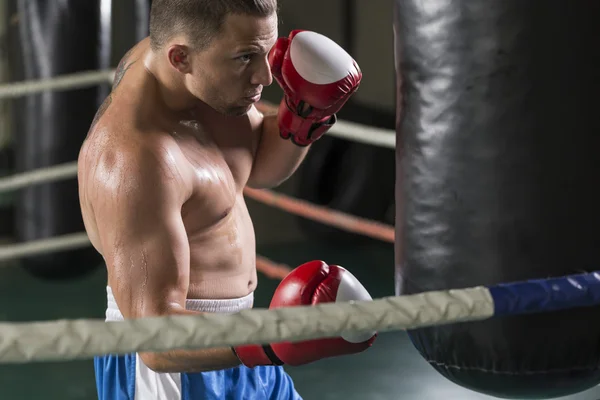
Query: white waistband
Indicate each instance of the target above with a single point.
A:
(209, 305)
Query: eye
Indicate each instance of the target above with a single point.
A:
(245, 58)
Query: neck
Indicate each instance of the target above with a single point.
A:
(171, 84)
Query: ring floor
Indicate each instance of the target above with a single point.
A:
(390, 370)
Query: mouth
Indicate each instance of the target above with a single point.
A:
(253, 98)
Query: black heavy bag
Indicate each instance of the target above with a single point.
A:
(6, 199)
(497, 171)
(52, 38)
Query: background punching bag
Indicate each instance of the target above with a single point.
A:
(498, 166)
(51, 38)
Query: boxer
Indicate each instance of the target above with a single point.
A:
(161, 178)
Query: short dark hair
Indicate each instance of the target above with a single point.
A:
(200, 20)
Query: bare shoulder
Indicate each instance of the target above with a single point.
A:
(134, 163)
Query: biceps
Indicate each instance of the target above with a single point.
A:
(148, 264)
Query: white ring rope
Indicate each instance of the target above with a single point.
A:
(33, 248)
(42, 175)
(364, 134)
(63, 82)
(81, 339)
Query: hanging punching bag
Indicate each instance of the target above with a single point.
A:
(497, 173)
(52, 38)
(6, 199)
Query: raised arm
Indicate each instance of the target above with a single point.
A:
(137, 207)
(276, 159)
(317, 81)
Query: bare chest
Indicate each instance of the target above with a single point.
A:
(220, 232)
(219, 164)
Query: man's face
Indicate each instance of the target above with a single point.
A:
(230, 74)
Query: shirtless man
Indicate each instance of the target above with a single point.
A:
(161, 178)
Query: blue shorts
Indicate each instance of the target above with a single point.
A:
(120, 378)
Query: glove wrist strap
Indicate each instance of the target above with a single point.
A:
(303, 131)
(255, 355)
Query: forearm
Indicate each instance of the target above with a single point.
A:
(285, 155)
(276, 158)
(190, 361)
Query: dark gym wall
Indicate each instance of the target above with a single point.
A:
(371, 45)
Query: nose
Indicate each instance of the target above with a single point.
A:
(262, 75)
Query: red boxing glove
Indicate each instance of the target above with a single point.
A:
(311, 283)
(317, 77)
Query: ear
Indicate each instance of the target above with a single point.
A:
(179, 58)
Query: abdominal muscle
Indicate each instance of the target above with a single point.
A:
(223, 256)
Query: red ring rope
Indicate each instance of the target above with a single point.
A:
(322, 214)
(338, 219)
